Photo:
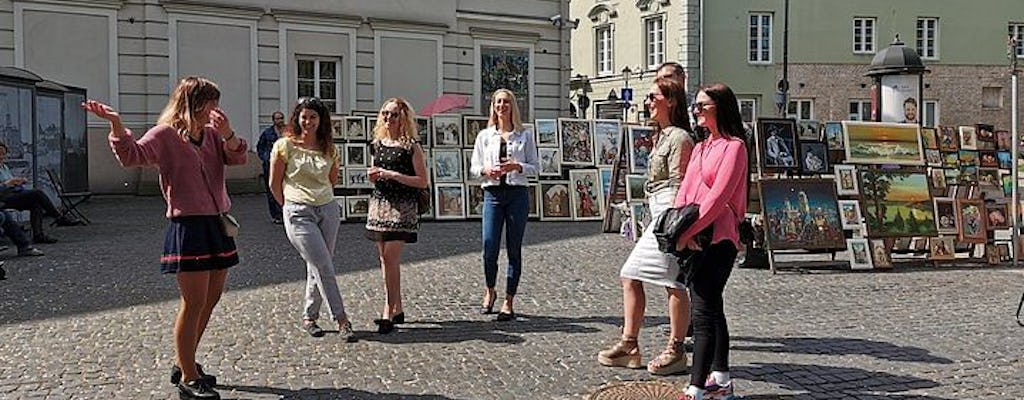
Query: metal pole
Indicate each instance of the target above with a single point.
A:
(1015, 187)
(785, 61)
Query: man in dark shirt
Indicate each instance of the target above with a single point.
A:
(263, 147)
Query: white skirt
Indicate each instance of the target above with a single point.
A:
(646, 263)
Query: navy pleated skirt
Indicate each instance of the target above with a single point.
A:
(197, 243)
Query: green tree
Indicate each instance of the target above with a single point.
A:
(898, 224)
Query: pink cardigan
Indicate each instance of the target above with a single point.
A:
(716, 179)
(187, 177)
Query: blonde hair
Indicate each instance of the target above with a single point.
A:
(407, 122)
(187, 99)
(517, 119)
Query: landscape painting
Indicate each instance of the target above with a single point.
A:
(547, 132)
(801, 214)
(897, 203)
(883, 143)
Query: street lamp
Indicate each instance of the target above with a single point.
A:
(626, 74)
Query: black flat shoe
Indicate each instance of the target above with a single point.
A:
(196, 389)
(489, 308)
(398, 318)
(210, 380)
(384, 326)
(505, 316)
(313, 329)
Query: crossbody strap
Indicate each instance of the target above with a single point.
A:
(202, 170)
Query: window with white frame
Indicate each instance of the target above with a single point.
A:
(1017, 31)
(654, 32)
(928, 38)
(863, 35)
(759, 38)
(318, 76)
(860, 110)
(930, 116)
(748, 110)
(800, 109)
(603, 34)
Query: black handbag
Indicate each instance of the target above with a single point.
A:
(672, 223)
(423, 201)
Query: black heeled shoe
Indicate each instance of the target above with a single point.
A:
(210, 380)
(196, 389)
(398, 318)
(384, 326)
(505, 316)
(489, 308)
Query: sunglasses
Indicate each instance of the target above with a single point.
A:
(310, 101)
(652, 96)
(389, 114)
(700, 106)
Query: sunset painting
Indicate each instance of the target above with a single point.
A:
(897, 203)
(882, 143)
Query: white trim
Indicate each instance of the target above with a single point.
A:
(172, 55)
(379, 35)
(283, 62)
(771, 38)
(924, 107)
(477, 89)
(597, 50)
(111, 14)
(935, 45)
(661, 20)
(867, 39)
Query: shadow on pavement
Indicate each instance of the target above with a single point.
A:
(838, 346)
(833, 382)
(492, 331)
(230, 392)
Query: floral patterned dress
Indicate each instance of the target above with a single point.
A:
(392, 214)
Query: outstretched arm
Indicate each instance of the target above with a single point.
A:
(129, 152)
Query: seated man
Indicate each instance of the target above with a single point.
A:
(14, 194)
(13, 231)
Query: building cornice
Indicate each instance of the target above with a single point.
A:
(205, 9)
(306, 17)
(106, 4)
(504, 35)
(407, 26)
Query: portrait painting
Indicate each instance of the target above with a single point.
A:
(801, 214)
(808, 130)
(968, 138)
(635, 187)
(337, 127)
(897, 203)
(356, 155)
(834, 135)
(587, 203)
(849, 214)
(450, 200)
(883, 143)
(640, 144)
(423, 127)
(1004, 141)
(555, 202)
(447, 130)
(576, 140)
(547, 132)
(971, 218)
(777, 143)
(998, 217)
(941, 248)
(988, 159)
(948, 139)
(357, 206)
(929, 138)
(356, 177)
(986, 137)
(448, 166)
(471, 126)
(859, 252)
(474, 201)
(945, 215)
(550, 161)
(355, 128)
(813, 158)
(607, 141)
(880, 254)
(846, 180)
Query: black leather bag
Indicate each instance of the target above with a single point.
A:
(672, 223)
(423, 201)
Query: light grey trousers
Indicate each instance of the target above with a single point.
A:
(313, 231)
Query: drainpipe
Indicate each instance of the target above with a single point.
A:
(563, 67)
(700, 48)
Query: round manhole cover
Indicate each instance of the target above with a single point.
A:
(647, 390)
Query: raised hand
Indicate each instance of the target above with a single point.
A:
(220, 122)
(102, 110)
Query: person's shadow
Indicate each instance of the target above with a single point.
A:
(484, 329)
(240, 391)
(822, 381)
(836, 346)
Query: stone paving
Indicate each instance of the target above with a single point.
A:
(92, 320)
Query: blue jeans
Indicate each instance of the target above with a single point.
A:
(272, 206)
(504, 207)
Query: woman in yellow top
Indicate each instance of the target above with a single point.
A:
(303, 171)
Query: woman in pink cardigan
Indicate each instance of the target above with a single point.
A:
(716, 180)
(190, 146)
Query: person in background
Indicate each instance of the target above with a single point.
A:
(13, 231)
(16, 196)
(190, 146)
(263, 147)
(504, 156)
(303, 171)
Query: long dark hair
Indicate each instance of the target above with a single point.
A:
(727, 110)
(675, 90)
(323, 130)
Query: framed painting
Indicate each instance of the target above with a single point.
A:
(986, 137)
(534, 200)
(1004, 251)
(967, 158)
(968, 176)
(1005, 159)
(635, 188)
(423, 127)
(576, 140)
(356, 155)
(988, 159)
(339, 148)
(605, 174)
(1007, 185)
(801, 214)
(808, 130)
(849, 214)
(997, 217)
(897, 203)
(450, 200)
(357, 206)
(607, 141)
(776, 139)
(503, 67)
(550, 161)
(834, 135)
(1003, 141)
(846, 180)
(813, 158)
(448, 166)
(587, 202)
(471, 126)
(859, 252)
(640, 141)
(948, 139)
(933, 158)
(971, 218)
(467, 165)
(355, 128)
(929, 139)
(356, 177)
(554, 201)
(989, 177)
(883, 143)
(992, 254)
(447, 130)
(938, 178)
(340, 201)
(474, 201)
(337, 127)
(941, 248)
(880, 254)
(968, 138)
(341, 178)
(547, 132)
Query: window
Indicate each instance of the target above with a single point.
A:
(654, 29)
(931, 113)
(800, 109)
(604, 50)
(319, 77)
(1017, 31)
(860, 110)
(863, 35)
(748, 111)
(928, 38)
(759, 38)
(991, 97)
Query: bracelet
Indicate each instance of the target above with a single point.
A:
(230, 137)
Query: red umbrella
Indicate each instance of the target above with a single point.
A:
(445, 103)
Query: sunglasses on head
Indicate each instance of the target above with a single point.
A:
(310, 101)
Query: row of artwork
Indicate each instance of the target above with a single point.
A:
(876, 253)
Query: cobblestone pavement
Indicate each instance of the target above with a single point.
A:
(93, 318)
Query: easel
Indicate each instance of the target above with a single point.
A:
(617, 187)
